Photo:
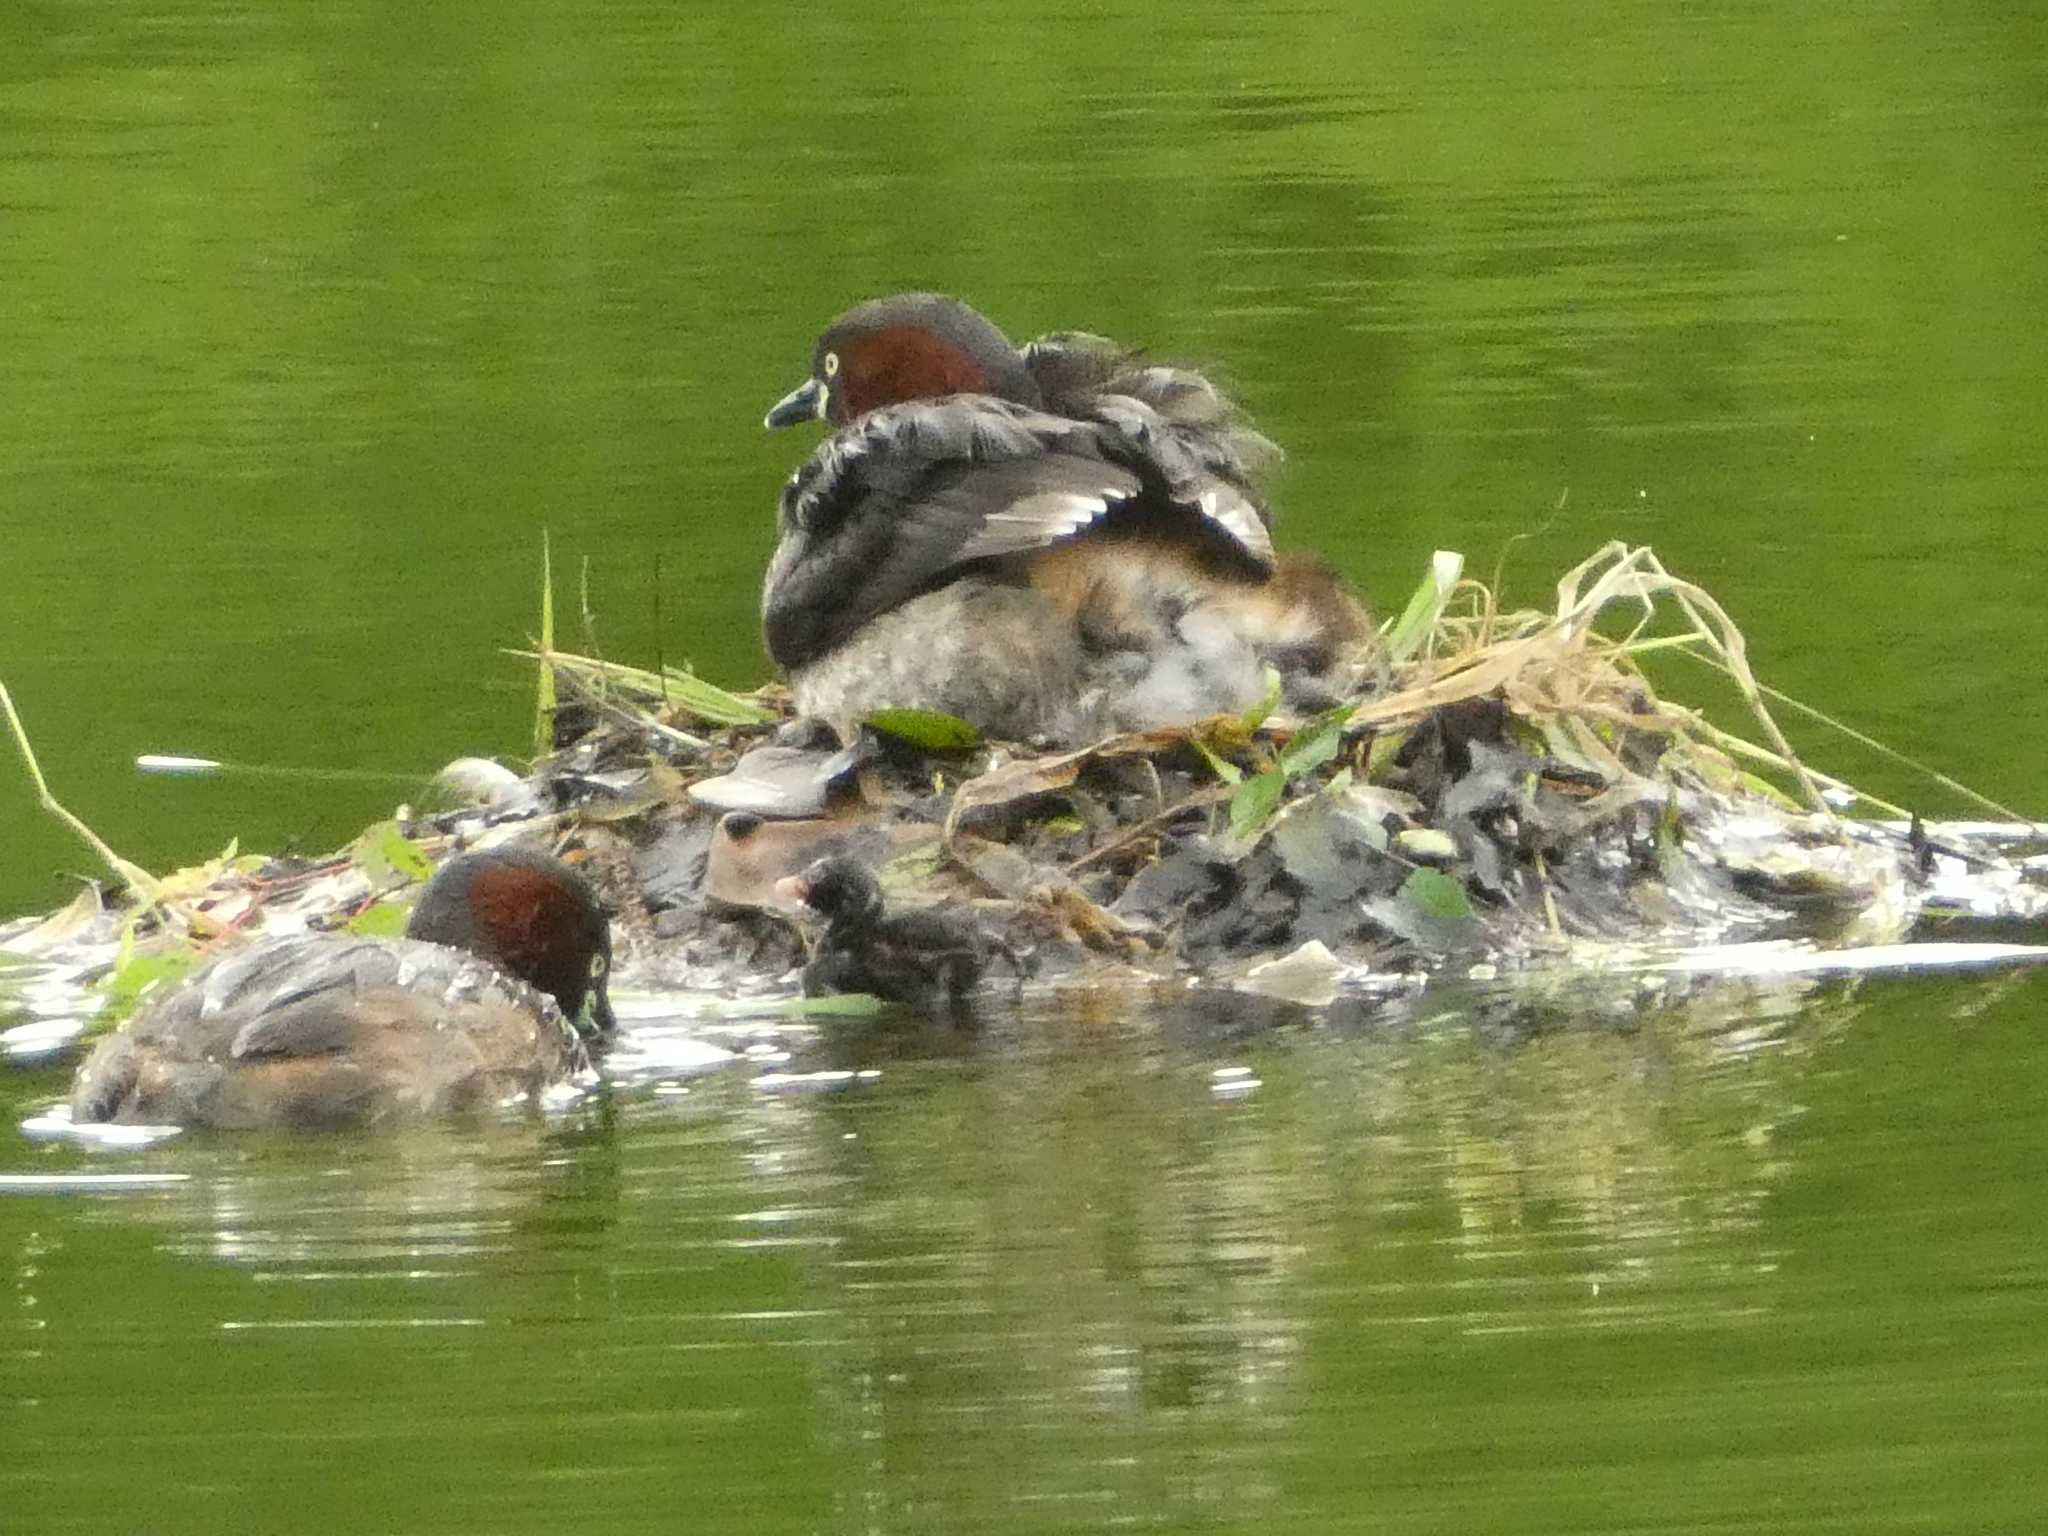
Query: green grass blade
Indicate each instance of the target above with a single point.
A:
(1419, 618)
(544, 693)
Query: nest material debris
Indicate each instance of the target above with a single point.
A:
(1514, 789)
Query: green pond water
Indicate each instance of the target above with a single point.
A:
(314, 318)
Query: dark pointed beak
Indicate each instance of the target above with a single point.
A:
(804, 403)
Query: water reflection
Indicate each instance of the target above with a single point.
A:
(1040, 1278)
(1066, 1265)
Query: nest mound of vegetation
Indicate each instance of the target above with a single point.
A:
(1512, 792)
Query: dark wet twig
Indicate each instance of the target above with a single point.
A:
(1214, 794)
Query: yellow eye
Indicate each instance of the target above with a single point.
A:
(598, 966)
(831, 364)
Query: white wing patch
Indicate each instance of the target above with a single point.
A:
(1229, 510)
(1043, 517)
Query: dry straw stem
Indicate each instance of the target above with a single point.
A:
(634, 694)
(1821, 717)
(134, 875)
(1555, 668)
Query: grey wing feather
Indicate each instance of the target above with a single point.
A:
(915, 492)
(295, 993)
(309, 1027)
(1041, 501)
(919, 491)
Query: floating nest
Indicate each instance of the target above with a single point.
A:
(1513, 794)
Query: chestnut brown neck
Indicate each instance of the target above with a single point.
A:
(903, 362)
(530, 925)
(528, 914)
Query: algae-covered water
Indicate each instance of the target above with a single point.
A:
(313, 318)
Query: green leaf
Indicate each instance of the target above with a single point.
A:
(1419, 618)
(1379, 757)
(1260, 712)
(136, 975)
(1227, 771)
(1316, 743)
(1556, 739)
(843, 1005)
(1256, 800)
(1259, 796)
(927, 729)
(909, 871)
(1430, 844)
(387, 857)
(1435, 894)
(384, 920)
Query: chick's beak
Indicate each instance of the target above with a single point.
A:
(794, 889)
(804, 403)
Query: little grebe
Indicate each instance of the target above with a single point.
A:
(926, 958)
(490, 994)
(1049, 542)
